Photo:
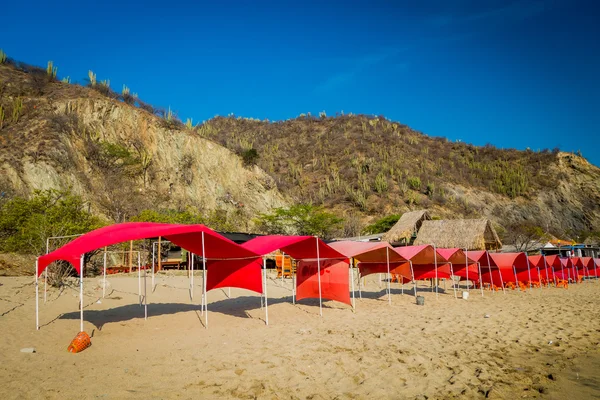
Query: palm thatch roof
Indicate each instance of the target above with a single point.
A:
(406, 226)
(470, 234)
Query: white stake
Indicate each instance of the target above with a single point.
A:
(528, 270)
(104, 269)
(139, 280)
(352, 283)
(204, 282)
(453, 282)
(480, 280)
(46, 270)
(81, 292)
(319, 278)
(145, 295)
(387, 256)
(467, 266)
(37, 298)
(412, 274)
(516, 279)
(546, 269)
(153, 266)
(539, 277)
(265, 279)
(191, 276)
(436, 271)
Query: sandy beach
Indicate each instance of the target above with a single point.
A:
(538, 344)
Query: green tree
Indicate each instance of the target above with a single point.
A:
(300, 219)
(25, 224)
(169, 216)
(381, 225)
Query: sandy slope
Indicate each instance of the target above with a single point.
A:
(445, 349)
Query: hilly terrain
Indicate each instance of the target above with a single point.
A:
(123, 156)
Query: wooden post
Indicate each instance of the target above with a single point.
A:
(159, 255)
(130, 255)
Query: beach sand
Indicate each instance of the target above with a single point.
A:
(537, 344)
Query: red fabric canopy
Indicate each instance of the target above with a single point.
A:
(298, 247)
(186, 236)
(334, 280)
(372, 256)
(423, 258)
(461, 263)
(244, 274)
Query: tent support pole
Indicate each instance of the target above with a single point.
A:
(467, 266)
(453, 284)
(145, 295)
(499, 273)
(319, 278)
(402, 286)
(37, 299)
(46, 270)
(294, 285)
(546, 269)
(516, 278)
(412, 274)
(553, 276)
(528, 270)
(359, 278)
(104, 273)
(480, 281)
(139, 279)
(265, 279)
(204, 283)
(352, 283)
(539, 277)
(192, 276)
(153, 264)
(81, 293)
(491, 277)
(387, 254)
(436, 271)
(283, 266)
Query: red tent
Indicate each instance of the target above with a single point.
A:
(315, 278)
(540, 269)
(196, 238)
(596, 267)
(566, 269)
(372, 257)
(463, 265)
(422, 262)
(513, 267)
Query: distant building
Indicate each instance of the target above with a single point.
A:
(470, 234)
(404, 232)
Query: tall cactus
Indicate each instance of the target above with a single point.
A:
(51, 70)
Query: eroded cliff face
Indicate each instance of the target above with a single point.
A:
(123, 159)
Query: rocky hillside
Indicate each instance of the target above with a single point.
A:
(121, 158)
(371, 167)
(125, 156)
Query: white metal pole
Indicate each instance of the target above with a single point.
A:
(153, 265)
(359, 279)
(402, 286)
(553, 275)
(539, 277)
(145, 295)
(491, 277)
(436, 271)
(204, 283)
(283, 266)
(528, 270)
(387, 254)
(480, 280)
(46, 270)
(139, 280)
(192, 276)
(294, 285)
(467, 266)
(37, 298)
(562, 269)
(319, 278)
(81, 292)
(104, 273)
(453, 285)
(265, 279)
(379, 276)
(516, 278)
(546, 269)
(412, 274)
(352, 283)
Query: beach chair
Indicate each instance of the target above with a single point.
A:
(562, 283)
(510, 285)
(284, 266)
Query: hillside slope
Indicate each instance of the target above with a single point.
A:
(374, 167)
(119, 157)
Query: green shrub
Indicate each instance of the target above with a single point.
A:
(414, 183)
(249, 157)
(382, 225)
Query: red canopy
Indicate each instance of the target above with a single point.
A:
(298, 247)
(505, 263)
(424, 259)
(461, 262)
(372, 256)
(186, 236)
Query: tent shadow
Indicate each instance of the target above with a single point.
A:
(129, 312)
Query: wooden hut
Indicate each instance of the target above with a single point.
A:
(405, 230)
(470, 234)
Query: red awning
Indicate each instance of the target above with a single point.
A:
(298, 247)
(508, 260)
(187, 236)
(372, 257)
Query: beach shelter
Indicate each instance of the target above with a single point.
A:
(596, 267)
(462, 265)
(198, 239)
(322, 271)
(513, 267)
(556, 267)
(566, 269)
(488, 270)
(540, 270)
(423, 263)
(371, 258)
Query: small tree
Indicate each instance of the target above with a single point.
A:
(382, 225)
(300, 219)
(524, 236)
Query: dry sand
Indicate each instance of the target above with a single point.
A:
(442, 350)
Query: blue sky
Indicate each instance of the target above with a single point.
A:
(515, 74)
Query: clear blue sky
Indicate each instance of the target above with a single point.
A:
(512, 73)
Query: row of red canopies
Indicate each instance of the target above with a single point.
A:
(322, 269)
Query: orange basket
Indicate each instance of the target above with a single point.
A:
(80, 343)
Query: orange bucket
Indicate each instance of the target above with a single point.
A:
(81, 342)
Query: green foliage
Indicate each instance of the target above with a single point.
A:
(382, 225)
(381, 184)
(189, 124)
(414, 183)
(249, 157)
(300, 219)
(1, 116)
(25, 224)
(510, 180)
(17, 109)
(51, 70)
(430, 189)
(2, 56)
(66, 79)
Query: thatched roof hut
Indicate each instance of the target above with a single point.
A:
(472, 234)
(407, 226)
